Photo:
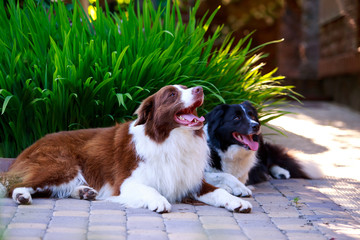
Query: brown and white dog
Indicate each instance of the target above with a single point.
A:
(150, 162)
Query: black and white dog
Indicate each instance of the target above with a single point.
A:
(239, 154)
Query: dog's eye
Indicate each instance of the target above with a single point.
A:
(172, 94)
(237, 117)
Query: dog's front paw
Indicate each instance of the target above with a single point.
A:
(279, 172)
(236, 204)
(159, 205)
(244, 208)
(84, 192)
(242, 191)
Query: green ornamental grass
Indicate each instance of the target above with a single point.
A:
(61, 71)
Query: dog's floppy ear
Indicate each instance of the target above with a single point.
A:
(145, 111)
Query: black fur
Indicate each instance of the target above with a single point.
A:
(225, 119)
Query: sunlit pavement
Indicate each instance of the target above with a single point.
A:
(323, 136)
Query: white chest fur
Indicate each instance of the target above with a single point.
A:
(238, 161)
(175, 167)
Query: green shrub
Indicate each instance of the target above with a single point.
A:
(60, 71)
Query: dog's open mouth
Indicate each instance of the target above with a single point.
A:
(188, 116)
(250, 142)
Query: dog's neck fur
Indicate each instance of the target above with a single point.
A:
(238, 161)
(163, 165)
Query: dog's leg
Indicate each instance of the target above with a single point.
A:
(22, 195)
(137, 195)
(279, 172)
(220, 198)
(227, 182)
(84, 192)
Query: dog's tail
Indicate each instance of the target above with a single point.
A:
(278, 156)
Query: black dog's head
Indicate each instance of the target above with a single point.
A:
(233, 124)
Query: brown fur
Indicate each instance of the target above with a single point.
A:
(100, 154)
(206, 188)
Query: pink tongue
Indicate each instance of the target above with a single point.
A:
(251, 143)
(191, 117)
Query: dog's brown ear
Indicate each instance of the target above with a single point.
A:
(145, 111)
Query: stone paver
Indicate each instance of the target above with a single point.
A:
(275, 216)
(326, 208)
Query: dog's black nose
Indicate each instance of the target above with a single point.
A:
(255, 126)
(197, 90)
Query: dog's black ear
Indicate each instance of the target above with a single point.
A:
(215, 118)
(145, 111)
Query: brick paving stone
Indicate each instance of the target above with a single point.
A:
(220, 234)
(107, 228)
(22, 233)
(44, 201)
(30, 211)
(70, 207)
(140, 212)
(21, 225)
(305, 210)
(143, 222)
(105, 236)
(270, 198)
(66, 230)
(98, 205)
(261, 229)
(4, 222)
(181, 226)
(188, 216)
(290, 224)
(187, 236)
(338, 231)
(325, 205)
(179, 207)
(212, 211)
(219, 224)
(328, 212)
(7, 212)
(64, 235)
(69, 222)
(298, 235)
(107, 212)
(71, 214)
(256, 223)
(106, 219)
(264, 232)
(73, 202)
(217, 219)
(33, 214)
(255, 215)
(36, 206)
(222, 226)
(280, 211)
(22, 238)
(39, 218)
(7, 202)
(150, 234)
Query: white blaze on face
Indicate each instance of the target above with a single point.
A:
(247, 116)
(186, 96)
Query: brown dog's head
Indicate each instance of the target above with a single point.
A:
(171, 107)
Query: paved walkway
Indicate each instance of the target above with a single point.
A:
(326, 208)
